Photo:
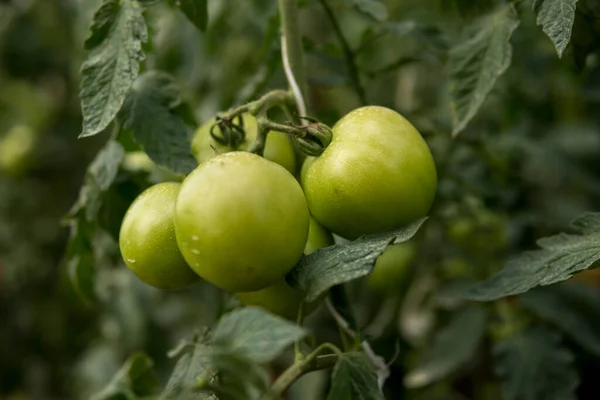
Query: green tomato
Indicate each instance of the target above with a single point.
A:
(282, 299)
(16, 148)
(318, 237)
(278, 148)
(484, 233)
(241, 221)
(392, 267)
(376, 175)
(138, 161)
(147, 239)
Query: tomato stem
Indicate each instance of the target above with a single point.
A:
(269, 100)
(313, 362)
(293, 52)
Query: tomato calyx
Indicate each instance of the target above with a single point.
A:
(229, 131)
(312, 138)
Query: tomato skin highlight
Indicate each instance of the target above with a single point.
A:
(147, 239)
(241, 221)
(376, 175)
(282, 299)
(278, 148)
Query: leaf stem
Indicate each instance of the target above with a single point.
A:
(348, 54)
(313, 362)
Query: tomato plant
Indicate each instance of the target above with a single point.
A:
(147, 239)
(445, 216)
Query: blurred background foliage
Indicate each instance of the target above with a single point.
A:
(525, 166)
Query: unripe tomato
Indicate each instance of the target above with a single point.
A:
(278, 148)
(16, 148)
(241, 221)
(484, 233)
(318, 237)
(147, 239)
(139, 161)
(376, 175)
(282, 299)
(391, 267)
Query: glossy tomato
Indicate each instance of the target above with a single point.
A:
(147, 239)
(278, 148)
(376, 175)
(282, 299)
(241, 221)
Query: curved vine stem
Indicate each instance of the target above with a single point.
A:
(269, 100)
(313, 362)
(292, 53)
(381, 368)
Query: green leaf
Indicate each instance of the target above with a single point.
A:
(210, 371)
(115, 44)
(83, 216)
(561, 306)
(151, 112)
(196, 11)
(560, 257)
(556, 18)
(255, 333)
(190, 366)
(373, 8)
(453, 346)
(535, 366)
(79, 260)
(133, 380)
(239, 378)
(341, 263)
(478, 60)
(354, 377)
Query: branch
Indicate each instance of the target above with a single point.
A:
(348, 54)
(313, 362)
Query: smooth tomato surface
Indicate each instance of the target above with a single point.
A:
(241, 221)
(376, 175)
(282, 299)
(318, 237)
(392, 267)
(147, 239)
(278, 148)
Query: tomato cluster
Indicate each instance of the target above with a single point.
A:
(241, 221)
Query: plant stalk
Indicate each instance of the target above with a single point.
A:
(313, 362)
(288, 11)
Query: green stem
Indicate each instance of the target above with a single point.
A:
(298, 355)
(313, 362)
(269, 100)
(288, 11)
(348, 54)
